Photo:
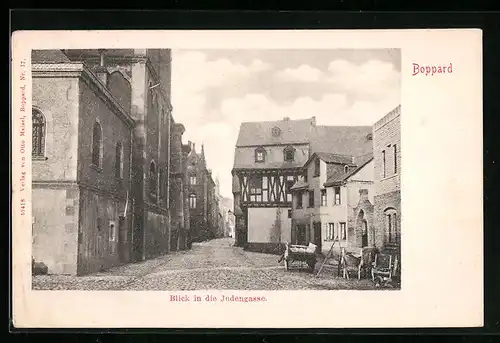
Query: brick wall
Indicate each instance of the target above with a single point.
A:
(387, 190)
(386, 135)
(92, 109)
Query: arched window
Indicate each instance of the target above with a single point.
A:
(391, 225)
(119, 160)
(38, 133)
(346, 169)
(260, 155)
(152, 178)
(97, 145)
(192, 201)
(289, 154)
(192, 178)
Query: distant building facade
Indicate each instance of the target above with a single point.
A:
(203, 207)
(387, 195)
(102, 134)
(269, 160)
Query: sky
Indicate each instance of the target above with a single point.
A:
(213, 91)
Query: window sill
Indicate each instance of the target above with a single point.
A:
(39, 158)
(98, 169)
(388, 177)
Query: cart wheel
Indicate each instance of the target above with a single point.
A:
(287, 266)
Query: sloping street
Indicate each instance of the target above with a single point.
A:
(214, 264)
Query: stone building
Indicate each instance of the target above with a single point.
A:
(387, 192)
(106, 134)
(324, 199)
(203, 209)
(81, 166)
(269, 160)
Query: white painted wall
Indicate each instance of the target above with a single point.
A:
(261, 223)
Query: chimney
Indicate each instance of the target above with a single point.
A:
(194, 150)
(363, 195)
(286, 118)
(101, 71)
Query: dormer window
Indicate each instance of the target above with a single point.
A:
(289, 154)
(260, 155)
(346, 169)
(276, 131)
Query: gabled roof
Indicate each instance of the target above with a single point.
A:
(300, 184)
(330, 158)
(342, 140)
(49, 56)
(336, 180)
(261, 133)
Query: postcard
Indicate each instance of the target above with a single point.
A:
(247, 179)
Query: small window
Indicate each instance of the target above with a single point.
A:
(330, 232)
(299, 199)
(346, 169)
(112, 232)
(289, 154)
(336, 191)
(317, 167)
(192, 179)
(391, 225)
(38, 134)
(304, 175)
(97, 145)
(323, 197)
(311, 198)
(342, 231)
(192, 201)
(289, 213)
(260, 155)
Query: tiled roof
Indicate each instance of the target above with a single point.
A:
(343, 177)
(299, 185)
(49, 56)
(335, 143)
(334, 158)
(342, 140)
(261, 133)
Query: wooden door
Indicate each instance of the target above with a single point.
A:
(317, 234)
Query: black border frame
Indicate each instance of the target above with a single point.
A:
(489, 22)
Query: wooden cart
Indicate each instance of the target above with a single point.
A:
(305, 254)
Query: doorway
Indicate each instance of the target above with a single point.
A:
(317, 235)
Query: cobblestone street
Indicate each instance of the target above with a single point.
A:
(208, 265)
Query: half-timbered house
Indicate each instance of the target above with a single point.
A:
(269, 160)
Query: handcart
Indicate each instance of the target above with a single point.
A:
(305, 254)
